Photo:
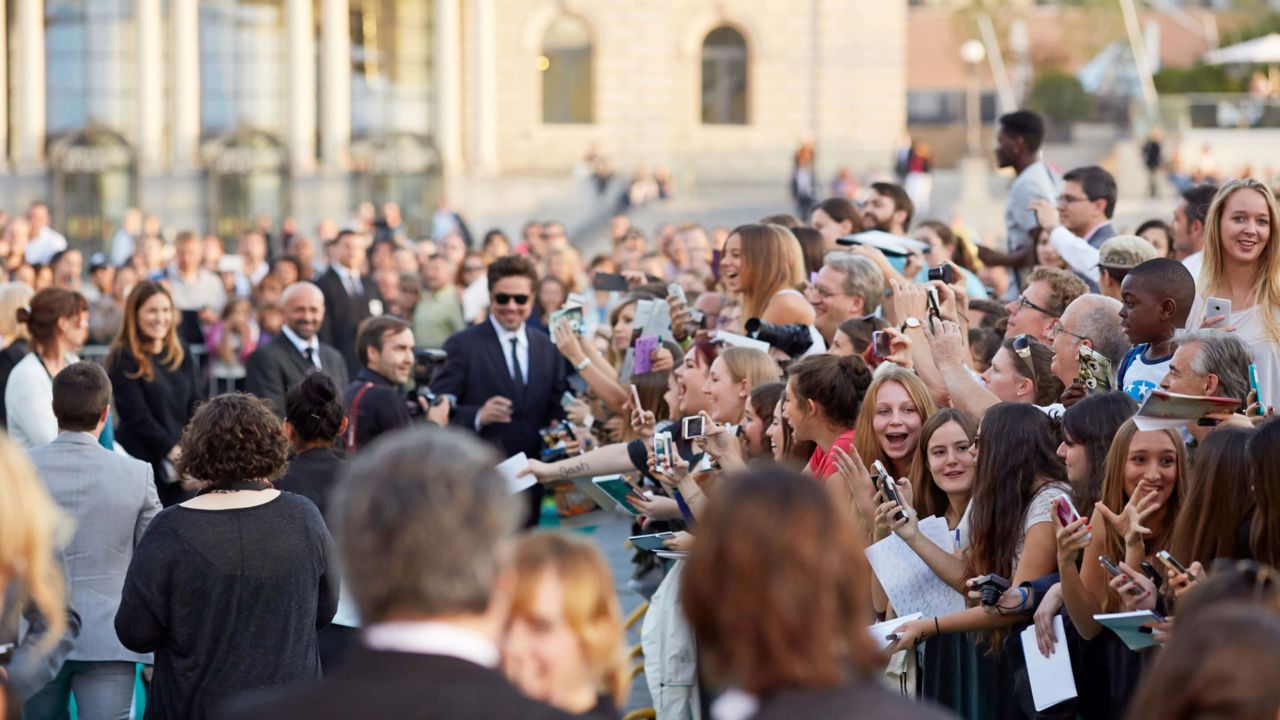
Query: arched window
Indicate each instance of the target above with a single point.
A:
(566, 72)
(724, 77)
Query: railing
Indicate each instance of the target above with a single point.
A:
(216, 386)
(1220, 110)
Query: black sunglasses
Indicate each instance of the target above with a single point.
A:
(505, 299)
(1022, 348)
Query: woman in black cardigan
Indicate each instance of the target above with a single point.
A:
(155, 383)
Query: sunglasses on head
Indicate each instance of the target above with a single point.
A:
(1022, 348)
(505, 299)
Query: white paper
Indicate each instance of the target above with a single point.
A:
(1051, 677)
(880, 631)
(909, 583)
(1127, 624)
(888, 243)
(736, 340)
(1147, 424)
(510, 467)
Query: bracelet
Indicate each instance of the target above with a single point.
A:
(1022, 606)
(582, 364)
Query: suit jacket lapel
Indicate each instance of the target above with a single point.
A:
(297, 359)
(498, 353)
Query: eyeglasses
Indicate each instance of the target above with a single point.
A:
(1057, 329)
(505, 299)
(1022, 348)
(1068, 199)
(1023, 302)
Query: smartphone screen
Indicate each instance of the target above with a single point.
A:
(693, 427)
(880, 341)
(609, 282)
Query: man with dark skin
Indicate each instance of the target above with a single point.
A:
(1017, 147)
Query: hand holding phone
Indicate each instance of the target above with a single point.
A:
(1214, 307)
(1068, 514)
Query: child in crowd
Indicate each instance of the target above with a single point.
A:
(1156, 298)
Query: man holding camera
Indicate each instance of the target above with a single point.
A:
(375, 402)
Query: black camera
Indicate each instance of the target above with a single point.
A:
(426, 361)
(793, 339)
(945, 273)
(991, 587)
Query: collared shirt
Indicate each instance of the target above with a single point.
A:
(44, 245)
(433, 638)
(522, 347)
(350, 280)
(205, 291)
(1035, 182)
(1080, 255)
(303, 345)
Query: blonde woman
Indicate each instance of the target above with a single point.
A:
(764, 266)
(563, 643)
(32, 528)
(13, 334)
(1242, 265)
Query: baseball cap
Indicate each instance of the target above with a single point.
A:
(1124, 252)
(98, 261)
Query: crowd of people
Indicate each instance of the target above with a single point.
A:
(282, 490)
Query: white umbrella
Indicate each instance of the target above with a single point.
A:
(1263, 50)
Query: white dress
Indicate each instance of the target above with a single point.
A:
(1251, 330)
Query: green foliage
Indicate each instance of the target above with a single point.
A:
(1198, 78)
(1265, 25)
(1060, 96)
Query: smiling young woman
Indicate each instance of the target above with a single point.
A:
(1242, 264)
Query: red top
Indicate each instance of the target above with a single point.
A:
(822, 464)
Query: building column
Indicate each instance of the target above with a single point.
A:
(448, 82)
(184, 85)
(335, 84)
(28, 140)
(4, 86)
(151, 109)
(301, 135)
(483, 103)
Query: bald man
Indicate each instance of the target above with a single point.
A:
(274, 368)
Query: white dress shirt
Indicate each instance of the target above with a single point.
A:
(432, 638)
(350, 280)
(1079, 254)
(522, 348)
(303, 345)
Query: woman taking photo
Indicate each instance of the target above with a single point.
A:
(228, 588)
(811, 660)
(764, 266)
(154, 383)
(1020, 372)
(888, 428)
(822, 399)
(1242, 266)
(564, 638)
(58, 323)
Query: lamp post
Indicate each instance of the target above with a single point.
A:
(973, 52)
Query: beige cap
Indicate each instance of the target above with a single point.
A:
(1124, 252)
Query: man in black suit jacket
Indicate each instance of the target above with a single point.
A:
(508, 377)
(278, 366)
(350, 296)
(422, 516)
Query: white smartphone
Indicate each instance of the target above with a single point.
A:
(692, 427)
(1218, 306)
(635, 399)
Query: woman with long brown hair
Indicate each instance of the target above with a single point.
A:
(768, 540)
(155, 384)
(1219, 502)
(764, 266)
(58, 322)
(1264, 528)
(888, 429)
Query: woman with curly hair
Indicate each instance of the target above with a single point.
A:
(229, 587)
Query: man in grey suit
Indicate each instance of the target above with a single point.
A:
(112, 499)
(278, 366)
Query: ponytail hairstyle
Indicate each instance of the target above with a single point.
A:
(836, 384)
(46, 309)
(313, 408)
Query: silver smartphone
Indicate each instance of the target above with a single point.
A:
(1218, 306)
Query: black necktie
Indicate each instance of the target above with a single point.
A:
(310, 355)
(518, 374)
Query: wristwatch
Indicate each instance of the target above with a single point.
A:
(911, 323)
(582, 364)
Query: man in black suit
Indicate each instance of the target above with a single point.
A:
(275, 368)
(350, 296)
(508, 377)
(422, 518)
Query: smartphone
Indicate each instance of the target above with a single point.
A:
(662, 451)
(1257, 391)
(1109, 565)
(568, 399)
(609, 282)
(693, 427)
(635, 399)
(675, 291)
(935, 307)
(1150, 571)
(880, 344)
(888, 488)
(1095, 370)
(652, 542)
(1218, 306)
(1172, 563)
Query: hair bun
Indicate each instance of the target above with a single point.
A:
(319, 387)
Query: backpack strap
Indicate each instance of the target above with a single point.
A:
(354, 415)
